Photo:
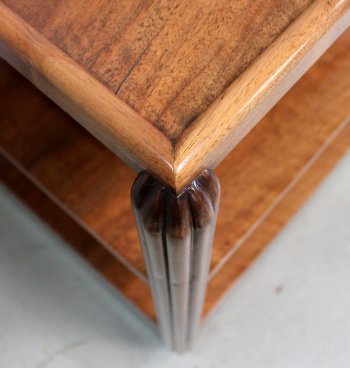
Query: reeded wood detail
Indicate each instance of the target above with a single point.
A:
(176, 234)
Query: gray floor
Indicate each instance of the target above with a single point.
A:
(292, 309)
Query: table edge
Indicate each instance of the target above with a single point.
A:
(207, 141)
(245, 102)
(131, 137)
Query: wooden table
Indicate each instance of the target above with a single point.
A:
(171, 89)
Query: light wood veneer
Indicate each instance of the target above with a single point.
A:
(170, 96)
(264, 180)
(168, 59)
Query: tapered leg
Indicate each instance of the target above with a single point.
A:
(176, 233)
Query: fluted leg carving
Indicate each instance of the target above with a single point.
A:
(176, 234)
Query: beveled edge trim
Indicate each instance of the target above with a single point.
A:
(206, 142)
(94, 106)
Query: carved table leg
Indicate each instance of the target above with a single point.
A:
(176, 234)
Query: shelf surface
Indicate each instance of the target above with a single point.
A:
(293, 147)
(168, 86)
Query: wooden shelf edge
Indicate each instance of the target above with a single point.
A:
(83, 97)
(267, 161)
(206, 142)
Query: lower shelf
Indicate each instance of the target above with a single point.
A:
(82, 190)
(129, 285)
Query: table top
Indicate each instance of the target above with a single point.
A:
(169, 86)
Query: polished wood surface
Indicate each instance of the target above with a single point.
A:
(176, 233)
(259, 178)
(259, 171)
(168, 60)
(222, 282)
(112, 121)
(72, 167)
(217, 92)
(218, 130)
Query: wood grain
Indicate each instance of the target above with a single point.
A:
(167, 59)
(112, 121)
(69, 165)
(58, 50)
(214, 134)
(92, 185)
(222, 282)
(176, 233)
